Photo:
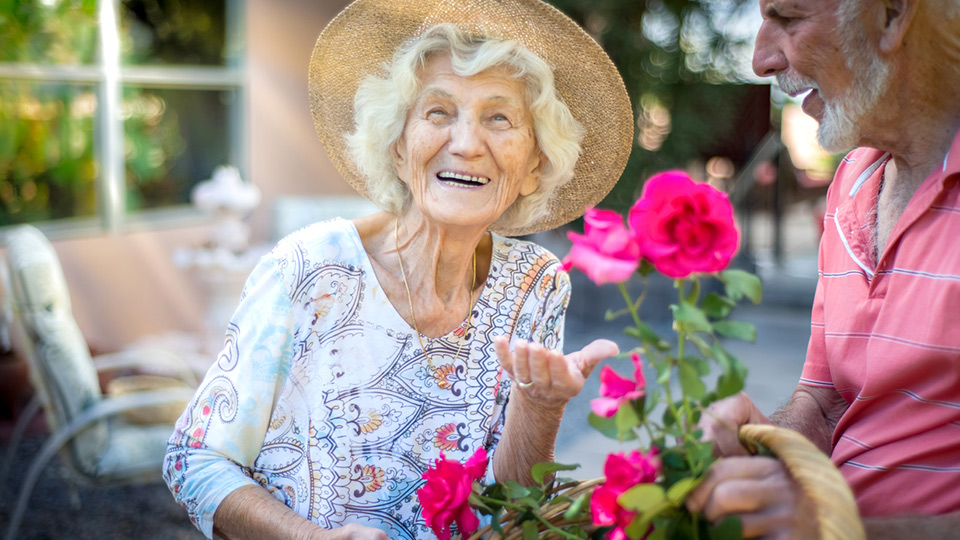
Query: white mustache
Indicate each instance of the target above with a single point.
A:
(792, 84)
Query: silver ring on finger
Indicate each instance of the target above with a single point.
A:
(522, 384)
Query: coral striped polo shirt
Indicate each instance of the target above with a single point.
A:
(886, 335)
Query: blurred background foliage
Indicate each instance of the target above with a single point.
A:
(50, 126)
(684, 64)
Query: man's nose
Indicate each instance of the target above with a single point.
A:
(466, 140)
(768, 57)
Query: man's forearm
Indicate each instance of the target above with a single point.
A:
(814, 413)
(529, 437)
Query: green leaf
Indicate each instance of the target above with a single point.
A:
(734, 372)
(643, 332)
(692, 317)
(495, 522)
(663, 371)
(577, 507)
(540, 470)
(690, 381)
(642, 497)
(608, 427)
(636, 529)
(694, 293)
(530, 530)
(626, 418)
(741, 330)
(678, 492)
(728, 529)
(739, 283)
(716, 306)
(515, 490)
(660, 533)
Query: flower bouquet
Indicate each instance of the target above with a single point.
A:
(684, 230)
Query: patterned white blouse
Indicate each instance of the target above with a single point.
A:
(322, 394)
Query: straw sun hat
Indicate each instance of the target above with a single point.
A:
(366, 33)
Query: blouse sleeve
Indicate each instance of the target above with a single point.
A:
(219, 436)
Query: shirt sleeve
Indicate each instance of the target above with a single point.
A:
(219, 436)
(816, 370)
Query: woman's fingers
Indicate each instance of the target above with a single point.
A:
(587, 358)
(552, 377)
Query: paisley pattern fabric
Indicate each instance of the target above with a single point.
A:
(323, 396)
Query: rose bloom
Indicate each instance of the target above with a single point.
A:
(444, 496)
(616, 389)
(684, 227)
(622, 472)
(606, 251)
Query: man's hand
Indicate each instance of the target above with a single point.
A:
(759, 491)
(722, 420)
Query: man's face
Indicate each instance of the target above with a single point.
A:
(811, 46)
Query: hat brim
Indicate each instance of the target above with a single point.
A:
(366, 34)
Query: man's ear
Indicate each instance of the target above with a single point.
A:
(897, 20)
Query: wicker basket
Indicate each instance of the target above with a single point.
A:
(837, 512)
(154, 414)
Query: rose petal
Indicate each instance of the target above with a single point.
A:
(605, 407)
(614, 385)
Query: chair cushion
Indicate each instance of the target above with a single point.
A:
(133, 452)
(60, 365)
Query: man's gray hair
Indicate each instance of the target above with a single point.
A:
(381, 106)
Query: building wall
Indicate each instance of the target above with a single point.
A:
(125, 286)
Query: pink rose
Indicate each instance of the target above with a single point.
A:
(622, 472)
(616, 389)
(607, 252)
(684, 227)
(444, 497)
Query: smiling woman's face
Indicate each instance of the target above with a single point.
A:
(468, 147)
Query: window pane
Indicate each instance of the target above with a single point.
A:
(174, 139)
(49, 31)
(179, 32)
(47, 165)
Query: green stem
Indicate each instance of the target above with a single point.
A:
(688, 413)
(634, 308)
(535, 513)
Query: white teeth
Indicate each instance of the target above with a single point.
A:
(464, 177)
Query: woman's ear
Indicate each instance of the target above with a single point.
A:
(532, 181)
(398, 151)
(898, 17)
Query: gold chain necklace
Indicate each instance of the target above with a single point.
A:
(473, 286)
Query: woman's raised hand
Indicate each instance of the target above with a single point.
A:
(550, 377)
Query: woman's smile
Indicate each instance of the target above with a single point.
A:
(468, 149)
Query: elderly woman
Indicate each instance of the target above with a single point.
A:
(362, 350)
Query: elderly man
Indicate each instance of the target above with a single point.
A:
(880, 388)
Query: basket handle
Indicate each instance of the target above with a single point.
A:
(837, 512)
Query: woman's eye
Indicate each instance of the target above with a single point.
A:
(436, 113)
(500, 119)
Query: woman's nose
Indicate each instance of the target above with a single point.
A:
(465, 138)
